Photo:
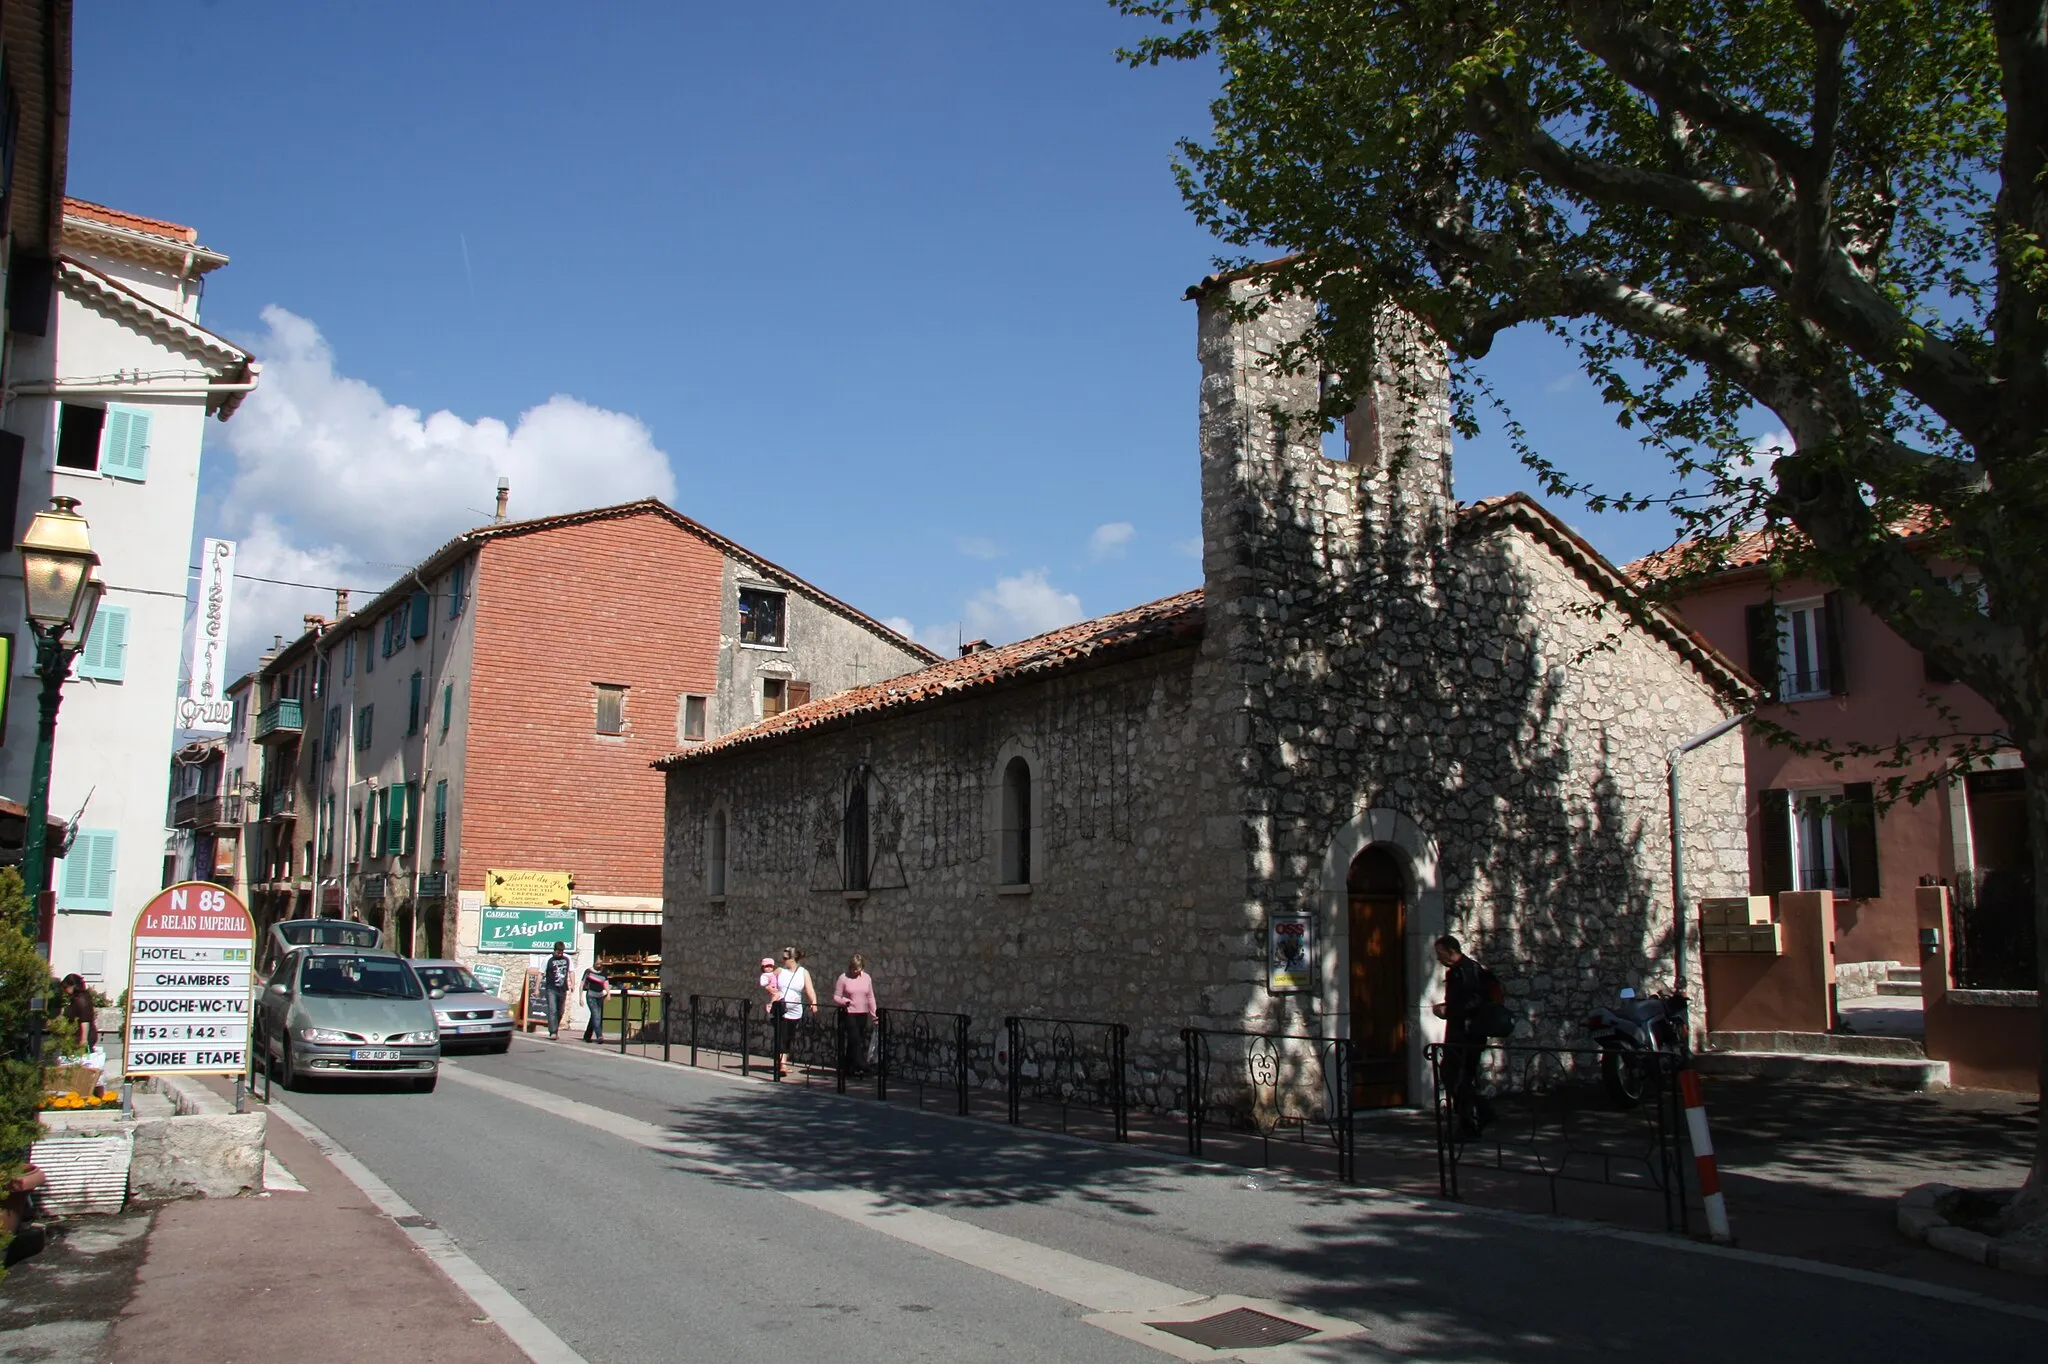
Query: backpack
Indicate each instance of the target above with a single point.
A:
(1496, 1019)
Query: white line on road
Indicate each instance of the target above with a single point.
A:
(526, 1330)
(1101, 1288)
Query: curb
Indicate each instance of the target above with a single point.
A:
(1920, 1219)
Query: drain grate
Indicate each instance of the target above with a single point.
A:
(1235, 1329)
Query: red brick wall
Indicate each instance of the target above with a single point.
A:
(632, 602)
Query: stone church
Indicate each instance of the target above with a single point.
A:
(1255, 805)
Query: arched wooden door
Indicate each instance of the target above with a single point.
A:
(1379, 980)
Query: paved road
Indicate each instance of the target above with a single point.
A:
(652, 1213)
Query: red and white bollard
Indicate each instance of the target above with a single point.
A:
(1703, 1157)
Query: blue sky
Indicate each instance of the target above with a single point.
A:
(890, 294)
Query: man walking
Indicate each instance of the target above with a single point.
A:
(1465, 999)
(554, 988)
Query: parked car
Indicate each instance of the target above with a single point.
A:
(469, 1015)
(348, 1013)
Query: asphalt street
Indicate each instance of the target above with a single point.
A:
(648, 1212)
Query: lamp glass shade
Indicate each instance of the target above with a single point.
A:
(56, 560)
(89, 607)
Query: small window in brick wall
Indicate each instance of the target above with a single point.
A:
(611, 709)
(693, 719)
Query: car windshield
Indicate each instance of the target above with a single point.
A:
(327, 933)
(337, 973)
(451, 979)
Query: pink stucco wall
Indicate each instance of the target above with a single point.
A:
(1888, 696)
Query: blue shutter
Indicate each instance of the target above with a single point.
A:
(421, 604)
(124, 443)
(105, 655)
(87, 881)
(458, 583)
(412, 715)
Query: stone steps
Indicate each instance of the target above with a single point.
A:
(1818, 1044)
(1867, 1072)
(1908, 975)
(1895, 988)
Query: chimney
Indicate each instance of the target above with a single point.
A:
(340, 602)
(314, 623)
(973, 646)
(504, 493)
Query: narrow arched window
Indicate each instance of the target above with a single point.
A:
(714, 854)
(853, 832)
(1016, 851)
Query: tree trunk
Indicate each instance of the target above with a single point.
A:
(2032, 1204)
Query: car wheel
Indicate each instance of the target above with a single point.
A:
(290, 1077)
(502, 1045)
(425, 1086)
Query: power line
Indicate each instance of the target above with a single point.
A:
(281, 582)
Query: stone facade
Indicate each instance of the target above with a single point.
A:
(1471, 689)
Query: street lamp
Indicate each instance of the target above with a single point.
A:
(63, 593)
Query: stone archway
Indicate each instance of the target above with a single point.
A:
(1416, 854)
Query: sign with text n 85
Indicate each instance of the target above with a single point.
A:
(189, 983)
(502, 929)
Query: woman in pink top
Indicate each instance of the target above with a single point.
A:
(854, 993)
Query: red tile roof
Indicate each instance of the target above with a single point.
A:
(1166, 623)
(134, 222)
(1750, 548)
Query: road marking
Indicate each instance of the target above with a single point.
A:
(1115, 1298)
(526, 1330)
(1392, 1198)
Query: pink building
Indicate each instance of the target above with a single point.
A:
(1840, 674)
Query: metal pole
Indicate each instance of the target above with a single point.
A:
(1188, 1044)
(881, 1054)
(1016, 1078)
(1679, 918)
(693, 1030)
(666, 1014)
(1118, 1032)
(53, 660)
(960, 1058)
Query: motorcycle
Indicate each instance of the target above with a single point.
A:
(1631, 1034)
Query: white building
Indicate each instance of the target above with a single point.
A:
(111, 405)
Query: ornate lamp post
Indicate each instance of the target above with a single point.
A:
(63, 595)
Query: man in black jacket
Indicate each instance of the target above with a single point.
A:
(554, 985)
(1465, 998)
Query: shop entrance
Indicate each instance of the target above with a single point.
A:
(630, 957)
(1379, 980)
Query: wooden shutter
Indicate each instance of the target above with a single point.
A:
(1831, 624)
(447, 705)
(1858, 812)
(105, 655)
(1762, 622)
(1775, 838)
(124, 444)
(420, 607)
(440, 820)
(799, 694)
(412, 714)
(89, 870)
(411, 815)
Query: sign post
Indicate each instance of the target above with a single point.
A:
(190, 983)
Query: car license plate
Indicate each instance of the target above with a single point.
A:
(375, 1054)
(470, 1027)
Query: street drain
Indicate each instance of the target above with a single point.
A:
(415, 1220)
(1236, 1329)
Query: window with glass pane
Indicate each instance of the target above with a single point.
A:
(1820, 841)
(693, 718)
(761, 617)
(1802, 650)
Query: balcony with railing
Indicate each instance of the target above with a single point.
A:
(213, 811)
(282, 803)
(282, 720)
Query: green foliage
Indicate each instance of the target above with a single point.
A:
(1835, 212)
(24, 985)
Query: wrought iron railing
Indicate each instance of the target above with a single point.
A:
(1270, 1085)
(722, 1023)
(1068, 1063)
(1548, 1112)
(283, 718)
(917, 1049)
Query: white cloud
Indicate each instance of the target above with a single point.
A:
(1191, 547)
(978, 547)
(1765, 449)
(1019, 607)
(1111, 540)
(1563, 383)
(330, 483)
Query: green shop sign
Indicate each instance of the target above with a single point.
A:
(525, 930)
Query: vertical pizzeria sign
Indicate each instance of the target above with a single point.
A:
(205, 707)
(189, 983)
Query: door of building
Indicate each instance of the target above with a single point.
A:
(1379, 981)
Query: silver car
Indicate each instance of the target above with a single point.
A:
(469, 1014)
(348, 1013)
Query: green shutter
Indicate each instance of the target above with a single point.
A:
(412, 715)
(412, 817)
(421, 604)
(447, 705)
(124, 443)
(105, 655)
(440, 820)
(88, 878)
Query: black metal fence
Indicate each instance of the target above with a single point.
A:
(726, 1026)
(1068, 1063)
(643, 1023)
(1548, 1112)
(1293, 1086)
(918, 1049)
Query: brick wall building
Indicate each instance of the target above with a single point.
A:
(500, 707)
